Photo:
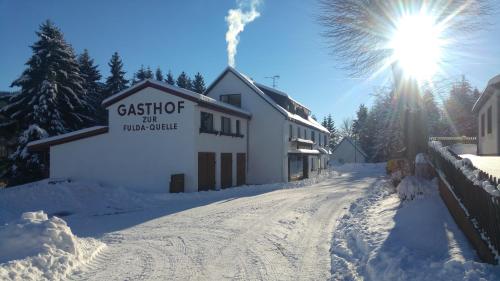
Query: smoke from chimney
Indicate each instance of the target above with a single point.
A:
(236, 20)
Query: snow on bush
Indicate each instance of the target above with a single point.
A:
(412, 187)
(36, 247)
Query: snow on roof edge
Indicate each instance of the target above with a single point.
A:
(62, 136)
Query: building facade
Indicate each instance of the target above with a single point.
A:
(348, 151)
(162, 138)
(487, 109)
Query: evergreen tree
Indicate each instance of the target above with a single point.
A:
(199, 84)
(329, 124)
(360, 128)
(170, 78)
(458, 107)
(432, 114)
(183, 81)
(51, 101)
(142, 74)
(159, 74)
(116, 82)
(92, 87)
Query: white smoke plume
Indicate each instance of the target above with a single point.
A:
(236, 20)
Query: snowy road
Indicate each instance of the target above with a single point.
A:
(267, 235)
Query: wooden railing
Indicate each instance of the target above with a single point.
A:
(482, 205)
(446, 141)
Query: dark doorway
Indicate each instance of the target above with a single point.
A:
(241, 169)
(305, 167)
(226, 170)
(206, 171)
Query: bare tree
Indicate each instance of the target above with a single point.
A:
(358, 31)
(347, 128)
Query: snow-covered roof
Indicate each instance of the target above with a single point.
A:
(347, 139)
(324, 151)
(303, 140)
(493, 84)
(253, 85)
(165, 87)
(280, 93)
(72, 136)
(304, 151)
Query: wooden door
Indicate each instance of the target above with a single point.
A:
(206, 171)
(226, 170)
(241, 169)
(305, 166)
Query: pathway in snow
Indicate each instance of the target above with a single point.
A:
(277, 235)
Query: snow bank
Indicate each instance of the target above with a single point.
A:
(65, 198)
(412, 187)
(382, 239)
(38, 248)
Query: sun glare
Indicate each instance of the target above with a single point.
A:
(417, 45)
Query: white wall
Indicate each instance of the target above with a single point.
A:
(346, 153)
(488, 144)
(265, 137)
(140, 160)
(221, 144)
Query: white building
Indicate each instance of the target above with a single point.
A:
(347, 151)
(161, 137)
(487, 109)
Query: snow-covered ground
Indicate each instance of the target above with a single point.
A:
(385, 238)
(489, 164)
(344, 225)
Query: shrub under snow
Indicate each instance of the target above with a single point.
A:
(36, 247)
(412, 187)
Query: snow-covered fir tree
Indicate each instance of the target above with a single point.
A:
(183, 81)
(460, 119)
(142, 74)
(159, 75)
(51, 100)
(116, 81)
(92, 86)
(432, 114)
(170, 78)
(199, 84)
(329, 124)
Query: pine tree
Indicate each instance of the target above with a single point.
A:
(159, 74)
(360, 128)
(116, 82)
(170, 78)
(432, 114)
(329, 124)
(51, 101)
(92, 86)
(199, 84)
(458, 106)
(183, 81)
(142, 74)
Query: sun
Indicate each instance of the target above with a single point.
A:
(417, 45)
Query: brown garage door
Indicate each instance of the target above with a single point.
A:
(241, 169)
(206, 171)
(226, 170)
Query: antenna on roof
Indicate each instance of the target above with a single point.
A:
(275, 78)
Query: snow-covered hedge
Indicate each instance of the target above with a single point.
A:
(412, 187)
(36, 247)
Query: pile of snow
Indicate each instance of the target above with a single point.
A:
(412, 187)
(382, 239)
(64, 198)
(38, 248)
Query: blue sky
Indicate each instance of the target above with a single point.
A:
(189, 36)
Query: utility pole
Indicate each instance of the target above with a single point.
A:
(274, 78)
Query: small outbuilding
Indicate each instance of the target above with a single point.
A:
(347, 151)
(487, 109)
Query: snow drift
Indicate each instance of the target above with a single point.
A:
(36, 247)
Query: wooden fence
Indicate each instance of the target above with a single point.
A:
(482, 206)
(446, 141)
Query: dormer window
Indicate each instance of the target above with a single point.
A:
(232, 99)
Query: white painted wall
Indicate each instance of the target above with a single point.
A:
(488, 144)
(345, 152)
(221, 144)
(265, 132)
(142, 160)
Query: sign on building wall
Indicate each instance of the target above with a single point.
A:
(150, 116)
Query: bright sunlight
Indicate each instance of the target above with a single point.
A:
(417, 45)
